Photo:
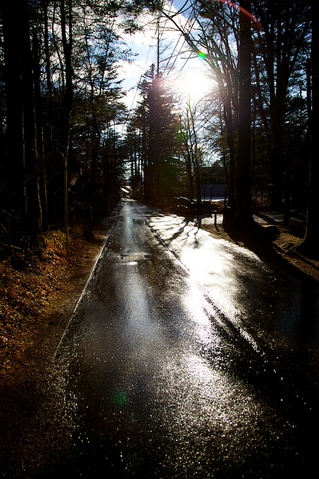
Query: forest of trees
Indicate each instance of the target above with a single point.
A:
(61, 104)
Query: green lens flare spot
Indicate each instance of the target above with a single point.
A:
(202, 55)
(120, 398)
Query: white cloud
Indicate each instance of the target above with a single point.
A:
(144, 45)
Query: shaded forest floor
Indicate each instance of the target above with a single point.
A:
(38, 293)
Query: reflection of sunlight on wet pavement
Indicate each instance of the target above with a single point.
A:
(240, 285)
(165, 371)
(208, 408)
(210, 264)
(201, 265)
(210, 260)
(202, 311)
(193, 301)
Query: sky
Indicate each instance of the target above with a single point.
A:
(189, 75)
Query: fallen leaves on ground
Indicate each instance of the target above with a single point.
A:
(29, 283)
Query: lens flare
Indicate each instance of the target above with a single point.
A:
(120, 398)
(244, 11)
(202, 55)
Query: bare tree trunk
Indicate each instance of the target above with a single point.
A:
(22, 170)
(66, 27)
(309, 245)
(39, 134)
(13, 166)
(242, 218)
(32, 172)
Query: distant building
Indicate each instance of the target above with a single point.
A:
(213, 192)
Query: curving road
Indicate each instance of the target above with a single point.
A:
(188, 357)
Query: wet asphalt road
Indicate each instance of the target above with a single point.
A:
(171, 372)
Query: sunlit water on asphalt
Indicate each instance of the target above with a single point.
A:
(170, 366)
(241, 284)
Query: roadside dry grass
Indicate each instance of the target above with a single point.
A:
(38, 291)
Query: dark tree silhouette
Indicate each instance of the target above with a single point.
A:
(242, 218)
(22, 168)
(310, 243)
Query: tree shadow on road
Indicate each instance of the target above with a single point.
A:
(193, 223)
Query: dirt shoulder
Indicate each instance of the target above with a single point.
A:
(285, 246)
(38, 294)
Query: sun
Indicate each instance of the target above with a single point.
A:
(194, 84)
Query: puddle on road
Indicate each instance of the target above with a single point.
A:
(132, 258)
(139, 221)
